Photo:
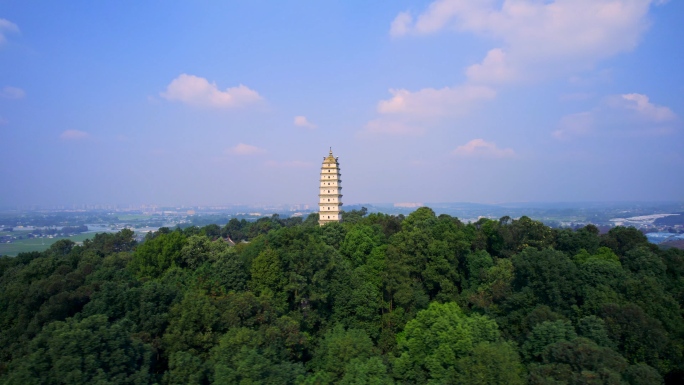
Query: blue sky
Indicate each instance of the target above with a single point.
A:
(210, 103)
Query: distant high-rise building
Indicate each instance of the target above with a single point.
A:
(330, 197)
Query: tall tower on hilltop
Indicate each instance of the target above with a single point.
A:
(330, 197)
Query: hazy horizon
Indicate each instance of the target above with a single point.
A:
(133, 103)
(301, 206)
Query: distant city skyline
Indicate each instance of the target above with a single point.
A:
(202, 104)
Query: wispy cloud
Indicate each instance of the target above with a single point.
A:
(494, 68)
(6, 27)
(644, 108)
(632, 113)
(482, 148)
(302, 121)
(197, 91)
(74, 135)
(8, 92)
(244, 149)
(401, 25)
(433, 102)
(536, 36)
(410, 113)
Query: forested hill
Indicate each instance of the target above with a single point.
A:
(377, 299)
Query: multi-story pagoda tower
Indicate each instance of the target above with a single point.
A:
(330, 197)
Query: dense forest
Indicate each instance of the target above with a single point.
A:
(377, 299)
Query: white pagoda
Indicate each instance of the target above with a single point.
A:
(330, 197)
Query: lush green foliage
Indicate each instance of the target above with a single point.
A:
(376, 299)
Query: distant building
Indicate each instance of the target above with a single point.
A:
(330, 197)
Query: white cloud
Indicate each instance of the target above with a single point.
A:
(301, 121)
(482, 148)
(646, 109)
(430, 102)
(197, 91)
(493, 69)
(244, 149)
(438, 15)
(74, 135)
(7, 26)
(537, 36)
(632, 114)
(8, 92)
(401, 24)
(409, 113)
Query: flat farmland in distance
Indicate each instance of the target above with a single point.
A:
(37, 244)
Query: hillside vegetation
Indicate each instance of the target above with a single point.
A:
(377, 299)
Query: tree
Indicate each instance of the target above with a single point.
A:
(642, 374)
(227, 274)
(354, 216)
(495, 285)
(643, 262)
(267, 273)
(371, 371)
(490, 364)
(235, 229)
(357, 298)
(431, 344)
(154, 256)
(388, 224)
(61, 248)
(263, 356)
(579, 361)
(550, 274)
(212, 231)
(106, 243)
(84, 352)
(639, 337)
(477, 264)
(622, 239)
(523, 233)
(186, 368)
(358, 244)
(594, 328)
(338, 348)
(571, 242)
(194, 325)
(545, 334)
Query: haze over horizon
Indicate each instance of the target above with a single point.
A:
(443, 101)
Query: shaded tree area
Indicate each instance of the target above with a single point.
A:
(376, 299)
